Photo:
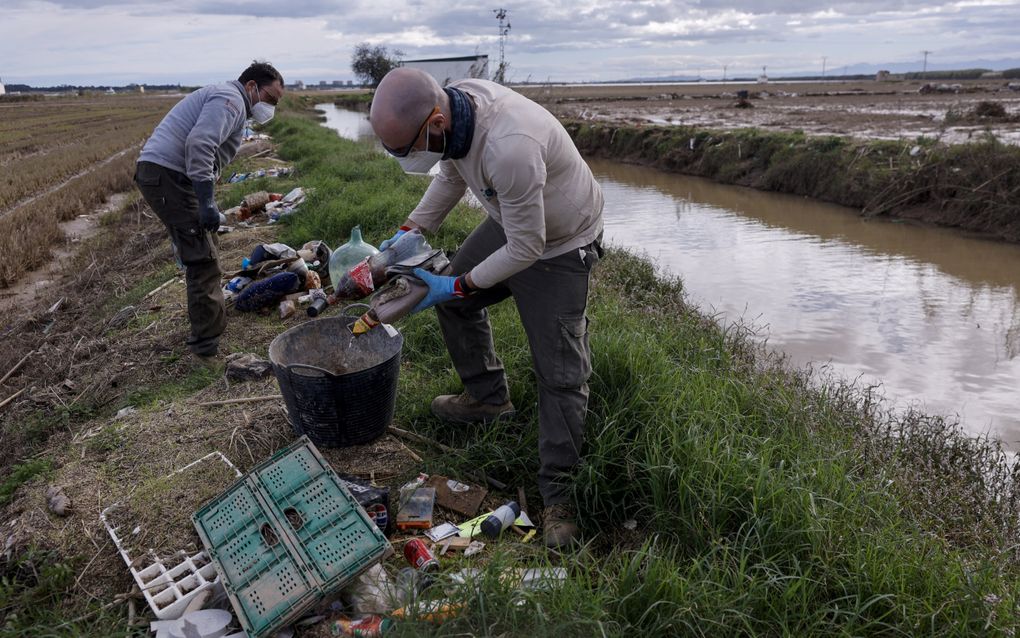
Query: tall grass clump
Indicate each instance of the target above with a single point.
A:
(721, 493)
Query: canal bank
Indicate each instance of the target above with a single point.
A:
(763, 502)
(974, 186)
(927, 316)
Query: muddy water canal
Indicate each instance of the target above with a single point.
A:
(930, 314)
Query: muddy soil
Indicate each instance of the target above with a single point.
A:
(874, 110)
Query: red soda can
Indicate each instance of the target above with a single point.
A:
(419, 555)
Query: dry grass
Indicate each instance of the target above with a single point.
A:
(99, 459)
(60, 158)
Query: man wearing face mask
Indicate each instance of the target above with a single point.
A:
(176, 171)
(538, 243)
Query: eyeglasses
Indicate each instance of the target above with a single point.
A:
(273, 99)
(408, 147)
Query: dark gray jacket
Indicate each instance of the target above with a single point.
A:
(201, 133)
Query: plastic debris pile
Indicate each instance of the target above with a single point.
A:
(276, 274)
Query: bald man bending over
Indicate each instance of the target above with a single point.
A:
(538, 244)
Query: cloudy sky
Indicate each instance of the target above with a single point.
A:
(200, 41)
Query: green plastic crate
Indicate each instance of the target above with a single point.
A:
(286, 535)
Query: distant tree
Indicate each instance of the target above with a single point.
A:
(371, 63)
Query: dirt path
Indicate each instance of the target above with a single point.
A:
(80, 174)
(36, 288)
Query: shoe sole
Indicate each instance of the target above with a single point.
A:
(484, 420)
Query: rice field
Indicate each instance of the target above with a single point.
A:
(61, 157)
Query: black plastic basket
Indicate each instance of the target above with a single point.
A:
(340, 390)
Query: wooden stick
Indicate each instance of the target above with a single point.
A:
(268, 397)
(11, 398)
(158, 288)
(417, 438)
(16, 366)
(521, 500)
(411, 452)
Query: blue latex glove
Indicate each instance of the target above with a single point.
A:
(386, 244)
(441, 289)
(208, 214)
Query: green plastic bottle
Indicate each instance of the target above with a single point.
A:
(349, 255)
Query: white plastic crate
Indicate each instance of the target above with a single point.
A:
(169, 584)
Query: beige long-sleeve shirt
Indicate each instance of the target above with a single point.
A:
(529, 178)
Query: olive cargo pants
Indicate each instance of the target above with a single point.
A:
(171, 197)
(551, 296)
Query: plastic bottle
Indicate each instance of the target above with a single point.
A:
(349, 255)
(502, 518)
(371, 592)
(394, 301)
(370, 273)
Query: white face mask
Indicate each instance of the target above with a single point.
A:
(260, 111)
(421, 162)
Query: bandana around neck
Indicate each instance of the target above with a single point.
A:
(462, 124)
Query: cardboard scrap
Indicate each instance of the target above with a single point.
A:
(455, 496)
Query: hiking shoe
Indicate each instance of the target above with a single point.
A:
(461, 408)
(560, 526)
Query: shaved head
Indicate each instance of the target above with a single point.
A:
(403, 100)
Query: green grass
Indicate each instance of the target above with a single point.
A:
(767, 503)
(21, 474)
(137, 292)
(31, 592)
(160, 390)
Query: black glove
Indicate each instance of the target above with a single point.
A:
(208, 214)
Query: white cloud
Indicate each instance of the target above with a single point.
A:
(196, 41)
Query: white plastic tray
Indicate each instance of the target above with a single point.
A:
(169, 584)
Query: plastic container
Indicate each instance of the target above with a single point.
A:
(349, 255)
(369, 274)
(393, 302)
(285, 537)
(340, 390)
(168, 585)
(502, 518)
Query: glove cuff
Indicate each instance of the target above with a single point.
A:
(461, 288)
(204, 191)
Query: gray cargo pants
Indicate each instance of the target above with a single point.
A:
(551, 296)
(170, 196)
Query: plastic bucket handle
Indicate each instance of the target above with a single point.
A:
(305, 370)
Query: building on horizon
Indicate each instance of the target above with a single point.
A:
(2, 89)
(446, 70)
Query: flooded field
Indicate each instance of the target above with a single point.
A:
(930, 314)
(875, 110)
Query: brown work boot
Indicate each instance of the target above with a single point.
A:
(461, 408)
(560, 526)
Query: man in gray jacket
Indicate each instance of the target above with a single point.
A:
(176, 171)
(538, 243)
